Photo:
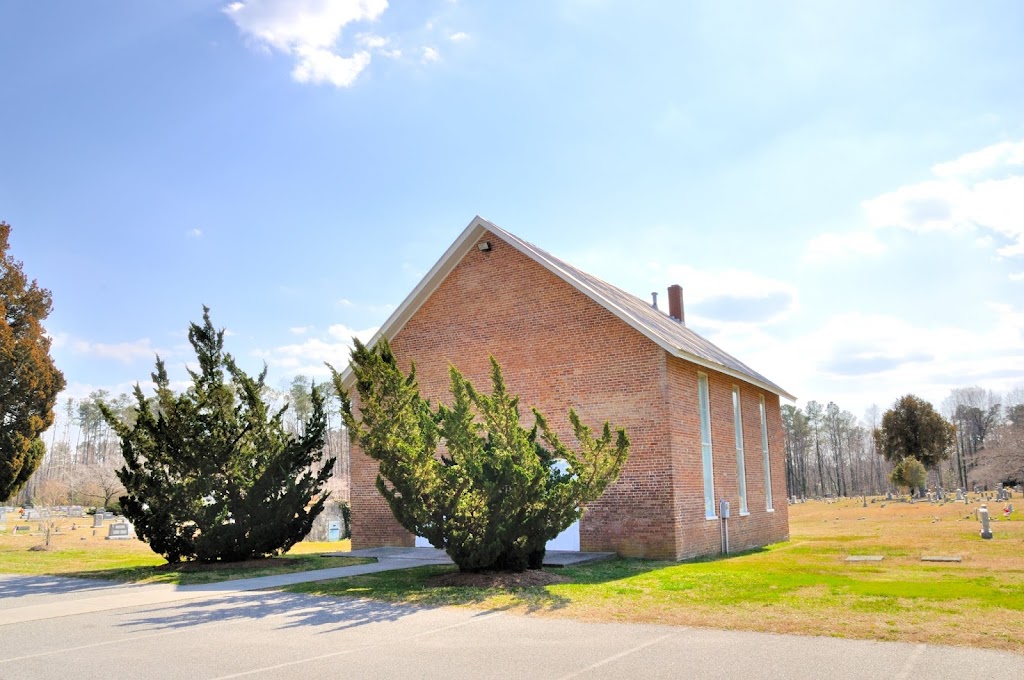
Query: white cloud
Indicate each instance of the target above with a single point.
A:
(309, 31)
(194, 233)
(372, 41)
(459, 36)
(319, 66)
(983, 189)
(299, 330)
(980, 190)
(733, 298)
(983, 161)
(858, 359)
(308, 357)
(124, 352)
(1019, 276)
(832, 245)
(429, 55)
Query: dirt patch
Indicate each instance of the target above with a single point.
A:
(496, 579)
(42, 548)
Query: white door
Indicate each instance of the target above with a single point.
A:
(570, 538)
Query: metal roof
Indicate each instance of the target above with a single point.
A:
(671, 335)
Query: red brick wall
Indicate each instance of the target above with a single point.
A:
(558, 348)
(696, 535)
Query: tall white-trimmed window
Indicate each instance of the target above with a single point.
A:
(741, 467)
(705, 445)
(767, 462)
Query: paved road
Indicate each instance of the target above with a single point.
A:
(269, 634)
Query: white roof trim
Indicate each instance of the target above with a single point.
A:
(466, 241)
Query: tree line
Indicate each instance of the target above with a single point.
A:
(831, 452)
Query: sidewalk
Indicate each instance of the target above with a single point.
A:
(48, 597)
(63, 598)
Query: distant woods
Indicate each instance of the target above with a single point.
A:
(82, 452)
(830, 451)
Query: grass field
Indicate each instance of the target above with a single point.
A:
(81, 554)
(804, 586)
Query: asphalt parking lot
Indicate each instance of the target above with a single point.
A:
(270, 634)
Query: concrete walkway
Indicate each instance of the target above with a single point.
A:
(33, 598)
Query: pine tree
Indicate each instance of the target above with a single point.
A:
(493, 497)
(29, 380)
(211, 474)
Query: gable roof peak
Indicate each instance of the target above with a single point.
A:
(673, 336)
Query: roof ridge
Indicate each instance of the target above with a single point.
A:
(641, 309)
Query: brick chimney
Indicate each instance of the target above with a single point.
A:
(675, 302)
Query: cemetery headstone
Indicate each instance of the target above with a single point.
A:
(97, 519)
(119, 531)
(959, 494)
(30, 514)
(3, 515)
(986, 531)
(20, 529)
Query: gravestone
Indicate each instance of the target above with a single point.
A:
(30, 514)
(76, 511)
(97, 519)
(959, 494)
(119, 531)
(986, 531)
(3, 515)
(20, 529)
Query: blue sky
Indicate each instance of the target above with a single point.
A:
(839, 187)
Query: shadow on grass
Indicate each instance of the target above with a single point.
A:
(413, 586)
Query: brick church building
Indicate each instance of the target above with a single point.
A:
(704, 426)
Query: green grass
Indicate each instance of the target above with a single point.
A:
(191, 573)
(802, 586)
(764, 577)
(134, 562)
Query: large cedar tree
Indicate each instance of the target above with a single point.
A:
(469, 477)
(29, 380)
(211, 473)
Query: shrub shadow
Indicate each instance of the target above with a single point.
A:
(295, 610)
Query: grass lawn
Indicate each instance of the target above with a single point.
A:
(803, 586)
(80, 554)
